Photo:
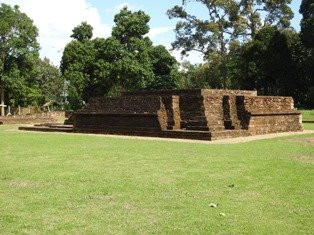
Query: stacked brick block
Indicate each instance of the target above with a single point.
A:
(197, 113)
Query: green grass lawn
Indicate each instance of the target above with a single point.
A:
(307, 115)
(70, 183)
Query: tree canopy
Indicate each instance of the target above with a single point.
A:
(307, 23)
(127, 60)
(227, 20)
(18, 56)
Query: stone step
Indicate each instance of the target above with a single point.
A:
(215, 135)
(178, 134)
(197, 123)
(198, 128)
(46, 129)
(216, 128)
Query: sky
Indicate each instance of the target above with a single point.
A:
(55, 20)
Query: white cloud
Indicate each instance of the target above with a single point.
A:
(55, 20)
(117, 8)
(154, 32)
(194, 57)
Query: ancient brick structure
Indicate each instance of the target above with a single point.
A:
(198, 114)
(27, 119)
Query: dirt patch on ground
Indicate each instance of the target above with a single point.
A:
(309, 141)
(305, 159)
(25, 184)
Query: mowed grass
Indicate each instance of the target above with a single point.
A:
(307, 115)
(70, 183)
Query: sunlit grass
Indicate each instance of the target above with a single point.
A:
(68, 183)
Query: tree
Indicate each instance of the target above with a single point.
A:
(76, 64)
(130, 25)
(135, 69)
(82, 32)
(18, 56)
(126, 61)
(274, 12)
(164, 65)
(205, 35)
(50, 82)
(227, 20)
(272, 64)
(307, 23)
(307, 38)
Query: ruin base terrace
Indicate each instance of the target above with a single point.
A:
(205, 114)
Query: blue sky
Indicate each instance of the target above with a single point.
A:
(56, 19)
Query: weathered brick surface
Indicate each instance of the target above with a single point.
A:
(27, 119)
(268, 104)
(198, 113)
(129, 112)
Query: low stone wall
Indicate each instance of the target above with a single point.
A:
(136, 112)
(119, 121)
(268, 103)
(204, 92)
(27, 119)
(136, 104)
(272, 123)
(223, 92)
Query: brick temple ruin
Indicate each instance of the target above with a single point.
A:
(204, 114)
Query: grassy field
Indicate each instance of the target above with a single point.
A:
(67, 183)
(307, 115)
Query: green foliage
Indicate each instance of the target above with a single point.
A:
(307, 38)
(75, 68)
(230, 23)
(163, 67)
(220, 72)
(130, 25)
(228, 20)
(273, 64)
(50, 83)
(82, 32)
(18, 56)
(307, 23)
(125, 61)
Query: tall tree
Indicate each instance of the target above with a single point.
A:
(127, 60)
(307, 23)
(307, 38)
(135, 67)
(50, 82)
(76, 62)
(226, 21)
(205, 35)
(18, 56)
(256, 14)
(273, 64)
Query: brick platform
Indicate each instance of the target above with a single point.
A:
(205, 114)
(26, 119)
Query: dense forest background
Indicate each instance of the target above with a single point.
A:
(245, 44)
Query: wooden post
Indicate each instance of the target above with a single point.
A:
(9, 111)
(2, 100)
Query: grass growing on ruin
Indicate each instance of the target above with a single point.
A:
(66, 183)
